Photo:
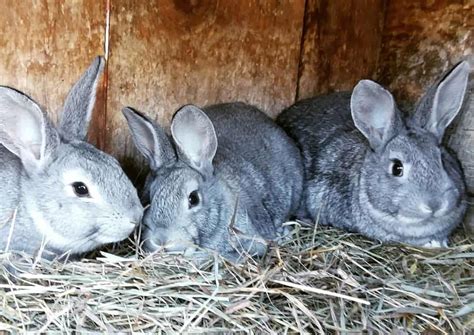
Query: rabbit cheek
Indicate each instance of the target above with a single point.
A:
(46, 229)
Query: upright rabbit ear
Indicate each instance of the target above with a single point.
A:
(443, 101)
(24, 129)
(150, 139)
(77, 110)
(374, 113)
(195, 138)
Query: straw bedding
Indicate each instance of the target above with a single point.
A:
(321, 280)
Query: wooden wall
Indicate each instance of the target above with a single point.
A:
(341, 44)
(166, 53)
(45, 46)
(421, 39)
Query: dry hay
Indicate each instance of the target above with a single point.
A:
(322, 280)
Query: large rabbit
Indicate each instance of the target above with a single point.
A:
(60, 195)
(227, 179)
(377, 173)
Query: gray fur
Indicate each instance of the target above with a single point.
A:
(349, 143)
(247, 171)
(39, 211)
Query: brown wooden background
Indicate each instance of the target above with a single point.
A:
(165, 53)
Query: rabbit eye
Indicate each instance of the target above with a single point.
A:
(397, 168)
(193, 199)
(80, 189)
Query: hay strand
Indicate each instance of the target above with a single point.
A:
(321, 280)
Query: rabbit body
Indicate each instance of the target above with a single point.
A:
(248, 183)
(60, 195)
(369, 170)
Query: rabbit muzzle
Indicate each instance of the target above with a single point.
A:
(434, 206)
(169, 240)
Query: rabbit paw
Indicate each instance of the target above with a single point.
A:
(283, 231)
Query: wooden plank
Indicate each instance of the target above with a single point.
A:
(421, 39)
(164, 54)
(341, 44)
(46, 45)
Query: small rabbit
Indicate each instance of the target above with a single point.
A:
(60, 195)
(377, 173)
(226, 180)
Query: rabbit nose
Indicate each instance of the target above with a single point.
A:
(158, 236)
(150, 245)
(153, 240)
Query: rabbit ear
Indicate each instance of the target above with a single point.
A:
(24, 129)
(149, 138)
(195, 137)
(443, 101)
(77, 110)
(374, 113)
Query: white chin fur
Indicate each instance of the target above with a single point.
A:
(409, 220)
(187, 250)
(180, 246)
(436, 244)
(177, 243)
(117, 235)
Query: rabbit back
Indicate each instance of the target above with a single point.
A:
(10, 167)
(266, 160)
(332, 151)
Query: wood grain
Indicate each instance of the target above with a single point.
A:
(341, 44)
(421, 40)
(168, 53)
(46, 45)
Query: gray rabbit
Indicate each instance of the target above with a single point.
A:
(226, 180)
(60, 194)
(370, 170)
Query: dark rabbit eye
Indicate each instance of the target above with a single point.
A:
(80, 189)
(193, 199)
(397, 168)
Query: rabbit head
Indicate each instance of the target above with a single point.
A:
(76, 197)
(408, 177)
(188, 202)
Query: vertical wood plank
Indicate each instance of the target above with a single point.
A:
(341, 44)
(46, 45)
(421, 39)
(168, 53)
